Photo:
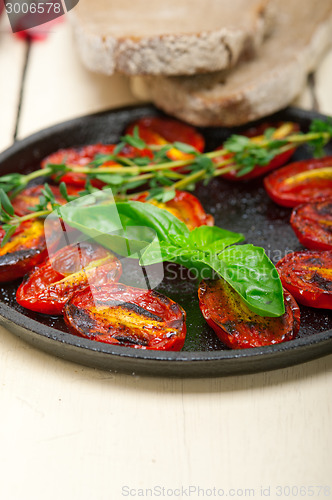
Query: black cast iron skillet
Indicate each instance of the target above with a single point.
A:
(242, 207)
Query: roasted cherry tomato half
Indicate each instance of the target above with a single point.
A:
(186, 207)
(312, 224)
(257, 134)
(237, 326)
(127, 316)
(301, 182)
(25, 249)
(81, 157)
(161, 131)
(29, 197)
(47, 289)
(308, 276)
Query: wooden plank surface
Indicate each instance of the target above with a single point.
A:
(77, 433)
(323, 81)
(12, 59)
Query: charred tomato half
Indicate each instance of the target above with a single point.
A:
(127, 316)
(25, 249)
(238, 327)
(48, 287)
(308, 276)
(312, 224)
(301, 182)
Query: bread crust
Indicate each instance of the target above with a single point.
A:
(254, 88)
(170, 48)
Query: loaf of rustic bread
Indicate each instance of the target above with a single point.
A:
(173, 37)
(256, 87)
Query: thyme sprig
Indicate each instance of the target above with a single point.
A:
(157, 172)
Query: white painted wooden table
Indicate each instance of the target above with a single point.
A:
(69, 432)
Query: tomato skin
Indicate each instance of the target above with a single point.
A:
(295, 184)
(29, 197)
(278, 161)
(191, 210)
(237, 326)
(312, 224)
(25, 249)
(186, 207)
(48, 287)
(308, 276)
(127, 316)
(159, 131)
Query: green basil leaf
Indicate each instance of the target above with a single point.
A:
(107, 221)
(161, 251)
(213, 239)
(101, 218)
(103, 224)
(164, 223)
(251, 273)
(158, 251)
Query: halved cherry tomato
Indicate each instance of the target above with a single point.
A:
(237, 326)
(29, 197)
(161, 131)
(127, 316)
(25, 249)
(186, 207)
(312, 224)
(257, 135)
(47, 289)
(81, 157)
(301, 182)
(308, 276)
